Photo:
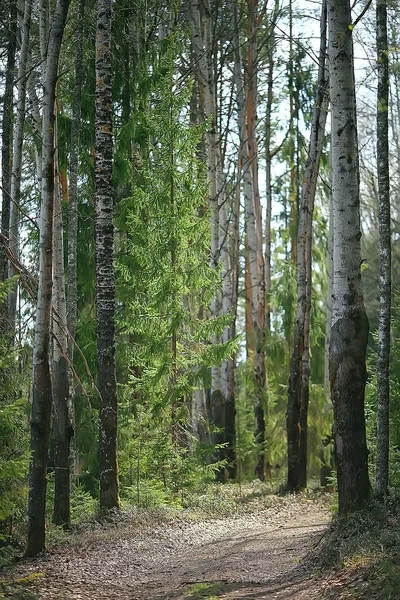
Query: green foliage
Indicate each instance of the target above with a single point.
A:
(371, 403)
(165, 285)
(14, 410)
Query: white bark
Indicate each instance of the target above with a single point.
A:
(17, 158)
(349, 333)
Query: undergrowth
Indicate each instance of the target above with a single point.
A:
(361, 551)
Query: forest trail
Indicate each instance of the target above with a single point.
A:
(252, 557)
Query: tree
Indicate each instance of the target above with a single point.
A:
(6, 135)
(299, 379)
(105, 276)
(17, 159)
(385, 258)
(41, 387)
(349, 334)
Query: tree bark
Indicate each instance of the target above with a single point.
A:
(61, 419)
(385, 258)
(349, 336)
(17, 159)
(254, 237)
(203, 50)
(299, 378)
(105, 275)
(41, 392)
(6, 135)
(72, 295)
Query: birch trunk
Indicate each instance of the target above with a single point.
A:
(6, 138)
(299, 378)
(385, 258)
(61, 419)
(105, 276)
(349, 335)
(254, 237)
(202, 40)
(268, 167)
(41, 391)
(17, 159)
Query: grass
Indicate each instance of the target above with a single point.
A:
(200, 591)
(359, 557)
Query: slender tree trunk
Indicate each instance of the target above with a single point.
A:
(385, 258)
(254, 236)
(6, 136)
(202, 41)
(72, 295)
(299, 392)
(17, 159)
(349, 336)
(61, 420)
(41, 391)
(268, 167)
(105, 276)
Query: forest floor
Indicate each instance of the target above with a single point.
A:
(266, 550)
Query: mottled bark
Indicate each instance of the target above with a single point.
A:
(299, 378)
(6, 136)
(385, 257)
(17, 159)
(41, 389)
(349, 336)
(72, 295)
(105, 275)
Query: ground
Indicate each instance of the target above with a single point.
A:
(255, 554)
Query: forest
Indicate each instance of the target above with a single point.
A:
(199, 258)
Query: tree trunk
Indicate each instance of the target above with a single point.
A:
(299, 384)
(72, 296)
(61, 419)
(17, 160)
(6, 136)
(105, 276)
(41, 391)
(202, 40)
(382, 125)
(349, 336)
(254, 237)
(268, 167)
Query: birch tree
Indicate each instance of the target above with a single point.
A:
(299, 379)
(61, 415)
(17, 158)
(349, 334)
(385, 266)
(105, 275)
(203, 44)
(41, 389)
(254, 236)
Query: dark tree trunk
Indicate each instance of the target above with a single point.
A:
(72, 297)
(347, 367)
(299, 384)
(41, 392)
(6, 136)
(61, 420)
(385, 258)
(105, 277)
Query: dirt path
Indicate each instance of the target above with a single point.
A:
(251, 557)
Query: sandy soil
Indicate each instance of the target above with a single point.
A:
(250, 557)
